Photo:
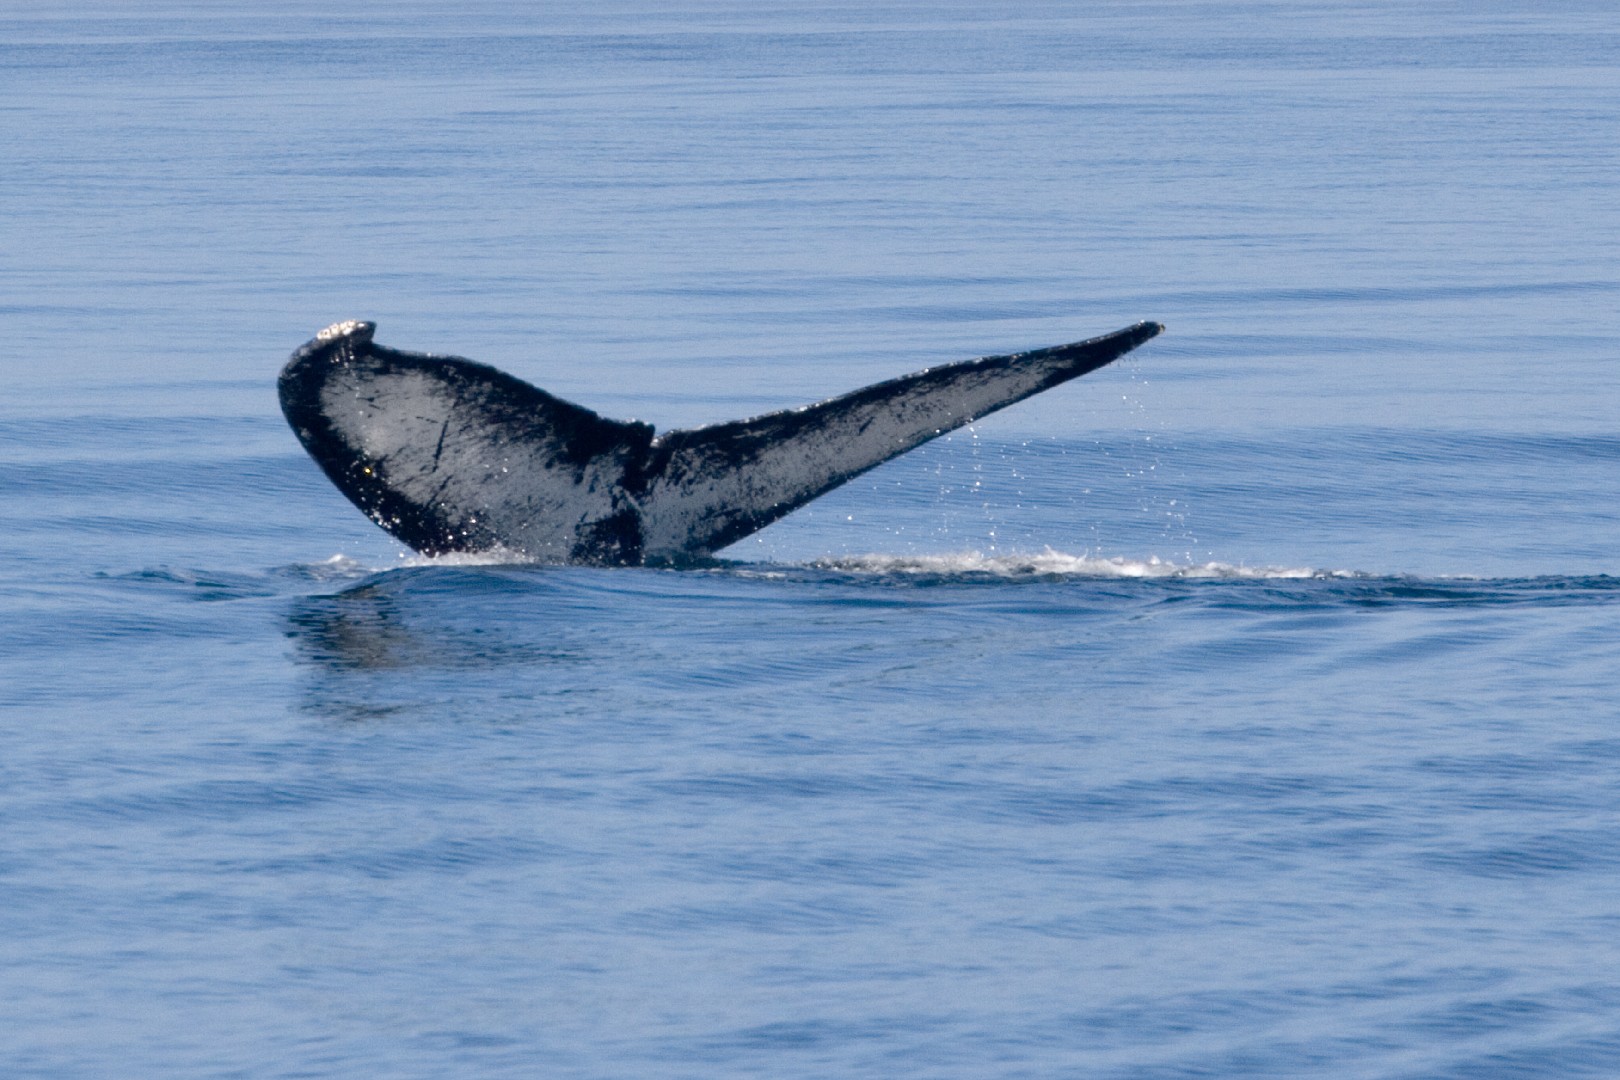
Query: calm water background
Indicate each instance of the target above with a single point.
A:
(1245, 709)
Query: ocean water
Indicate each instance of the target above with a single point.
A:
(1246, 708)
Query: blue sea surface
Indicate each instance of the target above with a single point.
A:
(1248, 708)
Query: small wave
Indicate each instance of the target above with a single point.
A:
(1268, 585)
(1050, 563)
(1047, 563)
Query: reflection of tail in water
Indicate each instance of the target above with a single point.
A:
(359, 629)
(431, 615)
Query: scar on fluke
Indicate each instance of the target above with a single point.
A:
(450, 455)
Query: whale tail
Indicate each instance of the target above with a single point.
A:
(452, 455)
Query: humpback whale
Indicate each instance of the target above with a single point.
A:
(450, 455)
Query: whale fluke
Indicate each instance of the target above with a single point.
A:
(450, 455)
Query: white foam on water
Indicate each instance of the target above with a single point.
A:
(496, 556)
(346, 566)
(1057, 563)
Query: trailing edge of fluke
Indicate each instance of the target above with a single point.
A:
(450, 455)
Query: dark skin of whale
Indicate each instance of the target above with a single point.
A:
(450, 455)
